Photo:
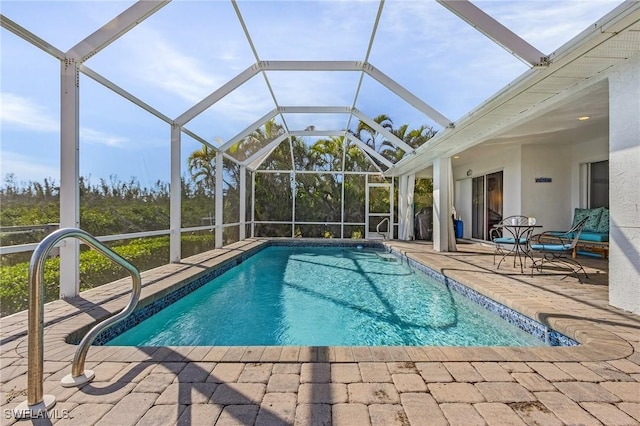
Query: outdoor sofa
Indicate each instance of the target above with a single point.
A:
(594, 239)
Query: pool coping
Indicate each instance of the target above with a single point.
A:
(75, 316)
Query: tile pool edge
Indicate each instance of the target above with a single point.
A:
(529, 325)
(158, 301)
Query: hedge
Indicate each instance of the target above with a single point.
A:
(95, 268)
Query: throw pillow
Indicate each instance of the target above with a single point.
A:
(593, 216)
(603, 225)
(578, 215)
(594, 220)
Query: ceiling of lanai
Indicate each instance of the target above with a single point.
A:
(223, 68)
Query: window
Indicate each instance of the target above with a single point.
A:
(599, 184)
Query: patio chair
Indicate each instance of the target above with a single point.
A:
(501, 240)
(557, 247)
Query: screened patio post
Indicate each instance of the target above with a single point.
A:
(293, 202)
(69, 176)
(441, 202)
(218, 199)
(342, 207)
(243, 202)
(402, 205)
(253, 204)
(391, 207)
(175, 199)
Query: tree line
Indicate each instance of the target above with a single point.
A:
(116, 206)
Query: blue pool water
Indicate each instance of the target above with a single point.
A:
(324, 296)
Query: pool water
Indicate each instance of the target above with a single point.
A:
(324, 296)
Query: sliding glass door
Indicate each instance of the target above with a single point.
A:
(477, 208)
(599, 184)
(486, 205)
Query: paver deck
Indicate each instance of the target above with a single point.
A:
(597, 382)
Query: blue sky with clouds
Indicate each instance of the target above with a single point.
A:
(188, 49)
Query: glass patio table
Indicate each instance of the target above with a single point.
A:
(520, 247)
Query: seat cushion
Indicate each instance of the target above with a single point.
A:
(595, 236)
(551, 247)
(561, 234)
(508, 240)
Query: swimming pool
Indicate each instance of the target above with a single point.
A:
(324, 296)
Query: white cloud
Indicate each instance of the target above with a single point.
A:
(21, 112)
(24, 114)
(26, 167)
(163, 65)
(102, 138)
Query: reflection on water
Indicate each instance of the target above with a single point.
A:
(324, 296)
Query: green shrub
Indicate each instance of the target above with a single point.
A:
(95, 268)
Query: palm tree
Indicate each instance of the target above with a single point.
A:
(368, 135)
(326, 154)
(256, 140)
(201, 165)
(412, 137)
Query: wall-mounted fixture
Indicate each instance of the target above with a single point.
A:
(469, 172)
(584, 118)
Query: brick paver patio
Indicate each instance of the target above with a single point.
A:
(597, 382)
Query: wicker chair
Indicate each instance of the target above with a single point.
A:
(556, 248)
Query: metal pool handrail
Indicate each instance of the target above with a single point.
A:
(386, 219)
(37, 403)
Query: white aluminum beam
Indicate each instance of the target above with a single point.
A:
(380, 171)
(497, 32)
(391, 209)
(396, 141)
(230, 158)
(310, 65)
(214, 97)
(27, 35)
(175, 208)
(258, 162)
(374, 30)
(314, 110)
(115, 28)
(366, 59)
(317, 133)
(69, 176)
(409, 97)
(120, 91)
(249, 129)
(198, 138)
(322, 172)
(21, 248)
(293, 159)
(243, 202)
(219, 194)
(294, 191)
(264, 149)
(255, 55)
(253, 205)
(370, 160)
(367, 149)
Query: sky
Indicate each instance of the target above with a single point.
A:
(188, 49)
